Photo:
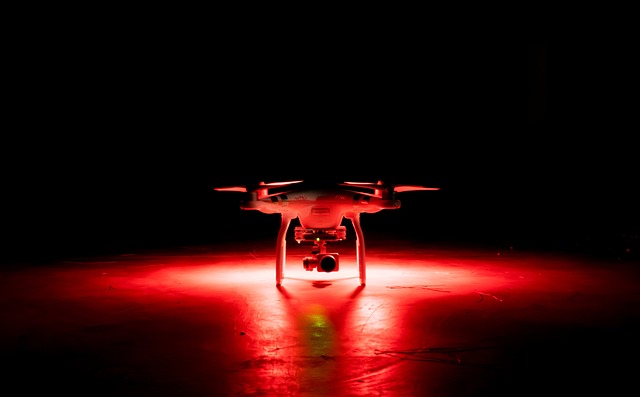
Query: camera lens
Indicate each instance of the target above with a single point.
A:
(328, 263)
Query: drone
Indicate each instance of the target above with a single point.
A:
(320, 210)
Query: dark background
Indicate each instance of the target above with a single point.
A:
(119, 137)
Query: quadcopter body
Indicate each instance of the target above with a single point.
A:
(320, 210)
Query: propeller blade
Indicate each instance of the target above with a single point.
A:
(278, 184)
(379, 183)
(409, 188)
(263, 190)
(365, 185)
(231, 189)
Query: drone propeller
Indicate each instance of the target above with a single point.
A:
(409, 188)
(261, 189)
(381, 189)
(278, 184)
(242, 189)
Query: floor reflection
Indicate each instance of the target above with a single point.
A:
(435, 321)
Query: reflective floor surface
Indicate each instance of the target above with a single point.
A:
(433, 320)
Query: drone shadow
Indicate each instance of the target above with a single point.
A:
(321, 284)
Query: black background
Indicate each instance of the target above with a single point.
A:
(119, 135)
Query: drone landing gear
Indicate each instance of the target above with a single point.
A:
(320, 259)
(354, 217)
(281, 248)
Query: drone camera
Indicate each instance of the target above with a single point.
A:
(322, 262)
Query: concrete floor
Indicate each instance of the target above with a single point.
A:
(433, 320)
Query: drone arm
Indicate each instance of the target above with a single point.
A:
(360, 258)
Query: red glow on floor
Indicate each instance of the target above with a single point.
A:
(210, 321)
